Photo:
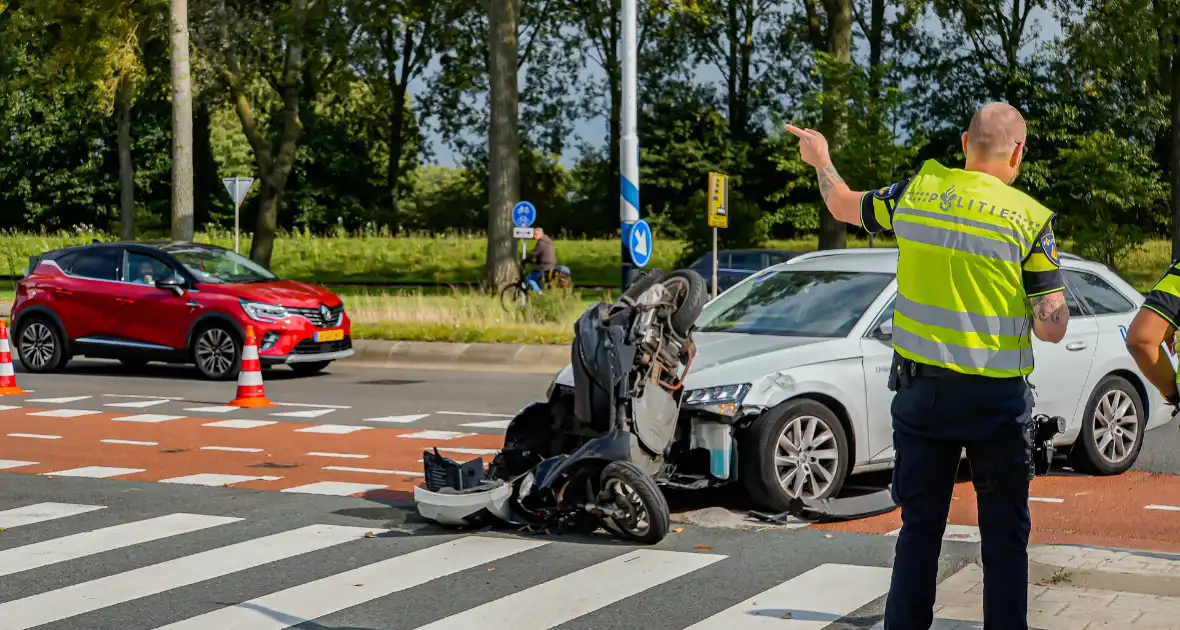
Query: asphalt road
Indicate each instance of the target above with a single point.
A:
(120, 555)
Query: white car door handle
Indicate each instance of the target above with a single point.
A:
(1077, 345)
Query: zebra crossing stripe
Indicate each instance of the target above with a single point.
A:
(313, 600)
(106, 539)
(548, 605)
(78, 599)
(41, 512)
(814, 600)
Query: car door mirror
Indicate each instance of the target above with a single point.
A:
(884, 330)
(173, 283)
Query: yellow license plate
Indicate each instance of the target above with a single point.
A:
(329, 335)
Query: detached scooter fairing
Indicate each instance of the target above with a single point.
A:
(593, 465)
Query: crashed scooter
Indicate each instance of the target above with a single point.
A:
(594, 465)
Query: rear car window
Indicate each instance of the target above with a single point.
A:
(96, 264)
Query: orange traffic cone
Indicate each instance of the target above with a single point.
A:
(251, 393)
(7, 375)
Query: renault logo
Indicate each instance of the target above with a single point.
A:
(325, 313)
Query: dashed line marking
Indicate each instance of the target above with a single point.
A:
(14, 463)
(214, 479)
(435, 435)
(375, 471)
(475, 413)
(306, 413)
(341, 455)
(139, 404)
(213, 409)
(1167, 508)
(233, 449)
(1046, 500)
(240, 424)
(36, 436)
(468, 451)
(334, 488)
(144, 396)
(94, 472)
(131, 442)
(148, 417)
(64, 413)
(493, 424)
(333, 429)
(58, 401)
(398, 419)
(282, 404)
(9, 407)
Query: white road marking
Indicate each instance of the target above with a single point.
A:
(148, 417)
(64, 413)
(303, 603)
(334, 488)
(469, 451)
(1046, 500)
(94, 472)
(144, 396)
(374, 471)
(398, 419)
(342, 455)
(234, 449)
(102, 540)
(240, 424)
(214, 409)
(963, 533)
(333, 429)
(814, 600)
(286, 404)
(9, 407)
(475, 413)
(14, 463)
(41, 512)
(37, 436)
(131, 442)
(435, 435)
(307, 413)
(79, 599)
(138, 404)
(213, 479)
(493, 424)
(1168, 508)
(548, 604)
(58, 401)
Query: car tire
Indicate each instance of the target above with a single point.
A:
(761, 444)
(1111, 437)
(40, 345)
(217, 352)
(312, 367)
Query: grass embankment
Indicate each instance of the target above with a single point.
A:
(453, 310)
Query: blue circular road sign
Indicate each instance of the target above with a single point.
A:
(523, 214)
(639, 242)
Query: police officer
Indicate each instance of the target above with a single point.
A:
(1153, 327)
(977, 269)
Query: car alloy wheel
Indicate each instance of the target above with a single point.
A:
(806, 458)
(1111, 434)
(1115, 426)
(216, 352)
(37, 346)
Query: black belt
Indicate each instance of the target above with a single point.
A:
(925, 370)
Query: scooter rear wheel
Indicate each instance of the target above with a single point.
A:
(626, 487)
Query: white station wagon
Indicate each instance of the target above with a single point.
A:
(788, 393)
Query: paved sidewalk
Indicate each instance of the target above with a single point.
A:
(1077, 588)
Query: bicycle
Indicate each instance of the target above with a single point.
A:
(516, 295)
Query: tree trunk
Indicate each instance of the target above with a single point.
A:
(396, 142)
(503, 143)
(126, 168)
(832, 233)
(263, 243)
(182, 125)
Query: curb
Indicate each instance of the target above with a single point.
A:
(492, 357)
(1046, 572)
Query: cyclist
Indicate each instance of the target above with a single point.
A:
(545, 258)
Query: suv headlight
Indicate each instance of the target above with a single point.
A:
(723, 400)
(260, 311)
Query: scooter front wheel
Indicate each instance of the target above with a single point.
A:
(645, 516)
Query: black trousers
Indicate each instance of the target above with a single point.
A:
(934, 419)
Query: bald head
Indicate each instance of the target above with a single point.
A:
(995, 131)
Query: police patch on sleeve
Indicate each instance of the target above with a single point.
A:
(1049, 244)
(886, 192)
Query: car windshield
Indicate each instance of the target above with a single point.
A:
(795, 303)
(220, 266)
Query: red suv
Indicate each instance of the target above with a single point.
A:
(176, 303)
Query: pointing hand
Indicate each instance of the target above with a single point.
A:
(813, 147)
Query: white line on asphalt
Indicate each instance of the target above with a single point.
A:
(36, 436)
(61, 400)
(284, 404)
(1046, 500)
(342, 455)
(213, 479)
(469, 451)
(131, 442)
(41, 512)
(144, 396)
(958, 533)
(9, 407)
(64, 413)
(475, 413)
(148, 417)
(375, 471)
(306, 413)
(1168, 508)
(334, 429)
(333, 488)
(235, 449)
(313, 600)
(94, 472)
(398, 419)
(106, 539)
(547, 605)
(813, 600)
(213, 409)
(139, 404)
(240, 424)
(14, 463)
(494, 424)
(435, 435)
(78, 599)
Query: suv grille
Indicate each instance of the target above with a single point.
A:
(316, 317)
(309, 346)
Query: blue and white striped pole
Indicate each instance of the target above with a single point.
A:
(629, 140)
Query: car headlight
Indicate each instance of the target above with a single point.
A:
(262, 312)
(724, 399)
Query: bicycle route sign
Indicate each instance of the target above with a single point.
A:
(639, 242)
(524, 214)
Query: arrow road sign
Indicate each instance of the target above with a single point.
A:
(524, 214)
(639, 243)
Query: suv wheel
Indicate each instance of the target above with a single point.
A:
(796, 450)
(217, 352)
(1112, 428)
(40, 346)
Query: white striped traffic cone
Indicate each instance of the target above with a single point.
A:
(7, 374)
(251, 393)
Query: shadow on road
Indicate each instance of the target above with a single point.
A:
(164, 371)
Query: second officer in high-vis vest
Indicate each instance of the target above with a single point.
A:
(977, 271)
(1155, 327)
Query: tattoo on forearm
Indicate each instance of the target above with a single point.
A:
(1050, 308)
(828, 178)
